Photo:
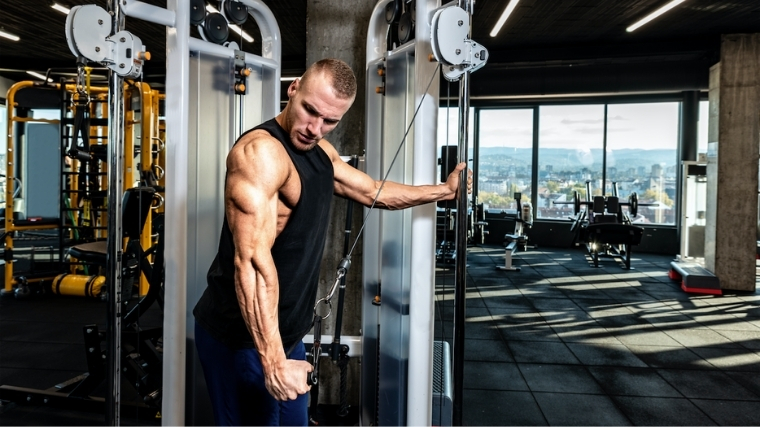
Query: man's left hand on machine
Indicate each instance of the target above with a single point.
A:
(453, 180)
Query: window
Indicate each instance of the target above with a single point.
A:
(505, 158)
(448, 130)
(570, 144)
(642, 148)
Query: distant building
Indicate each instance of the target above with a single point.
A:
(494, 186)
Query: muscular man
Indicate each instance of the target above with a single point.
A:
(262, 285)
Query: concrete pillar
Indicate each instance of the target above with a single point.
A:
(732, 162)
(338, 29)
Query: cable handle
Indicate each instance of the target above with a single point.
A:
(316, 351)
(343, 267)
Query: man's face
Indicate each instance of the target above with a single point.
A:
(315, 110)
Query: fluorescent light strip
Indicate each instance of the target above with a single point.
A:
(245, 35)
(503, 18)
(9, 36)
(38, 75)
(62, 9)
(287, 79)
(233, 27)
(654, 14)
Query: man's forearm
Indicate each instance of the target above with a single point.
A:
(258, 302)
(399, 196)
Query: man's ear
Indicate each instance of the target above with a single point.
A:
(293, 87)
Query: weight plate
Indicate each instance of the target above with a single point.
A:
(576, 202)
(197, 11)
(236, 12)
(405, 28)
(633, 203)
(215, 28)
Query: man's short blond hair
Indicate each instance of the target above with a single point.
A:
(341, 74)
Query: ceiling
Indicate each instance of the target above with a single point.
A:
(538, 34)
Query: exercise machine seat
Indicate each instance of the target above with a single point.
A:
(135, 207)
(93, 252)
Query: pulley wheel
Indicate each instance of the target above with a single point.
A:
(215, 28)
(405, 28)
(197, 11)
(236, 12)
(392, 11)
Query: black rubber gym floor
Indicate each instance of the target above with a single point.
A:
(42, 345)
(558, 343)
(564, 343)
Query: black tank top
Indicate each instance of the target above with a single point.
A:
(297, 253)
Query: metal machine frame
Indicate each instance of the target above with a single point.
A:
(200, 133)
(398, 246)
(402, 92)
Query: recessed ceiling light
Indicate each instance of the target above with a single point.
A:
(654, 14)
(10, 36)
(60, 8)
(503, 18)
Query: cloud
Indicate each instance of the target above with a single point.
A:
(590, 130)
(584, 122)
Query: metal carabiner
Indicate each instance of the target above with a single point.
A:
(329, 308)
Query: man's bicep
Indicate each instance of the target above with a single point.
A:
(251, 209)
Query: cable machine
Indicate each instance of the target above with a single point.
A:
(398, 352)
(204, 116)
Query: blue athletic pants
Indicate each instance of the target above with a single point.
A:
(235, 382)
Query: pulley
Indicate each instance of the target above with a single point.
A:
(88, 34)
(452, 47)
(215, 29)
(393, 11)
(405, 27)
(235, 11)
(197, 12)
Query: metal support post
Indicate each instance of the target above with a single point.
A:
(461, 241)
(115, 185)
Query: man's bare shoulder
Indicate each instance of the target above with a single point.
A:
(257, 148)
(330, 150)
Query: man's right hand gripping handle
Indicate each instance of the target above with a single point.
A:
(288, 379)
